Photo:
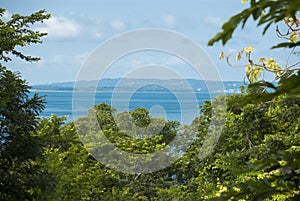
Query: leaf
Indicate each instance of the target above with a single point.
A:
(286, 45)
(248, 68)
(263, 11)
(259, 86)
(272, 65)
(221, 55)
(267, 27)
(238, 56)
(261, 60)
(294, 36)
(228, 28)
(291, 85)
(248, 49)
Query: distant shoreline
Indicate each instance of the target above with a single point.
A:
(150, 85)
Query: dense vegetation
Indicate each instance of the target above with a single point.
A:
(257, 156)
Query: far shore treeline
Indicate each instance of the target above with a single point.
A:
(109, 84)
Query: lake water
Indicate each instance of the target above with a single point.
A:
(164, 104)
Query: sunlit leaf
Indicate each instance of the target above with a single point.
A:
(248, 49)
(238, 56)
(261, 60)
(294, 36)
(221, 55)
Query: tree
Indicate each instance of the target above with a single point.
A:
(257, 156)
(20, 146)
(77, 175)
(283, 15)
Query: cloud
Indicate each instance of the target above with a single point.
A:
(60, 28)
(77, 59)
(94, 27)
(215, 21)
(169, 21)
(143, 58)
(118, 25)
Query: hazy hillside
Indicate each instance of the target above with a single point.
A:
(108, 84)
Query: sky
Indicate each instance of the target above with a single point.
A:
(77, 28)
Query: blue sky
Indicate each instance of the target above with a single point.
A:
(78, 27)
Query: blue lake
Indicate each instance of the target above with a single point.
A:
(169, 105)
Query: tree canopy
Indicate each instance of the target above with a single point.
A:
(20, 175)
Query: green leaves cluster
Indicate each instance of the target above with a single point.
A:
(20, 147)
(266, 12)
(16, 32)
(257, 155)
(77, 175)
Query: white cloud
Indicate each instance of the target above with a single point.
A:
(60, 27)
(215, 21)
(118, 25)
(95, 28)
(169, 21)
(77, 59)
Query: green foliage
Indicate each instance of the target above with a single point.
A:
(257, 156)
(255, 70)
(266, 12)
(268, 159)
(76, 175)
(140, 117)
(131, 132)
(20, 147)
(16, 33)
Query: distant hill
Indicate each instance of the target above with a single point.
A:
(109, 84)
